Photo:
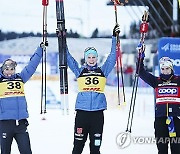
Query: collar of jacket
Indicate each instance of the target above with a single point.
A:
(91, 67)
(166, 77)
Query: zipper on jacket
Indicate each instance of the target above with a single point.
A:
(1, 106)
(91, 102)
(18, 106)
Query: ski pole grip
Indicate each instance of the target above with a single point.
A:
(116, 2)
(45, 2)
(144, 28)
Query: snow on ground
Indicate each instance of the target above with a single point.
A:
(55, 134)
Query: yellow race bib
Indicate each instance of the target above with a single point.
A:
(11, 89)
(91, 83)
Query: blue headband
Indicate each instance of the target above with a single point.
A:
(91, 51)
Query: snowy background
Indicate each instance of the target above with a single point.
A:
(82, 16)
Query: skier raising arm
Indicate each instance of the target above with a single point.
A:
(13, 105)
(167, 104)
(91, 101)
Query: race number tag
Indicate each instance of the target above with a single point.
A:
(11, 89)
(91, 83)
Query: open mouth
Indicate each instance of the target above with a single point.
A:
(92, 63)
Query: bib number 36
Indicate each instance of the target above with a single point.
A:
(90, 80)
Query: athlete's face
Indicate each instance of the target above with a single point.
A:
(166, 70)
(9, 71)
(91, 60)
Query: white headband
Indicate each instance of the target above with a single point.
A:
(166, 62)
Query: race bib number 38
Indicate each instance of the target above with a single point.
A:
(92, 83)
(11, 89)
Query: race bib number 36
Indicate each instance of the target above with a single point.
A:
(11, 89)
(92, 83)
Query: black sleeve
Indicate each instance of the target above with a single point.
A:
(146, 76)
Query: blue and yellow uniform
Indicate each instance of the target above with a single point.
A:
(91, 100)
(13, 107)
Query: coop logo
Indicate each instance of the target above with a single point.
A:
(167, 91)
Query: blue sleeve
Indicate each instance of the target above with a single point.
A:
(29, 70)
(111, 59)
(73, 64)
(147, 77)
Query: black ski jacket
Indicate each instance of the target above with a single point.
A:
(167, 92)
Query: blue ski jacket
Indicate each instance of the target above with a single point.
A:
(92, 101)
(167, 92)
(15, 108)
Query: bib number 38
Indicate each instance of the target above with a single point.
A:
(12, 85)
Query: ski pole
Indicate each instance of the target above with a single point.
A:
(43, 74)
(119, 55)
(143, 31)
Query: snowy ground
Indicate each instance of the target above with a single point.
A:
(55, 134)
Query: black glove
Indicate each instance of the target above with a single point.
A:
(147, 20)
(42, 45)
(116, 30)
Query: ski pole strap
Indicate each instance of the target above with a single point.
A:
(145, 16)
(171, 128)
(118, 52)
(45, 2)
